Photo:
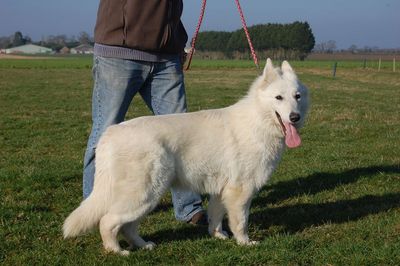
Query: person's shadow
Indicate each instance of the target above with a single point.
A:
(297, 217)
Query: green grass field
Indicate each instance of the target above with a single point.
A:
(333, 201)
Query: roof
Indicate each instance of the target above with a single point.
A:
(29, 48)
(83, 47)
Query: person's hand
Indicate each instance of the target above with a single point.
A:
(183, 58)
(184, 55)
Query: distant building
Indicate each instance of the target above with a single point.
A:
(29, 49)
(82, 49)
(65, 50)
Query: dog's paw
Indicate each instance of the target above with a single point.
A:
(247, 242)
(220, 234)
(149, 245)
(253, 243)
(124, 252)
(118, 251)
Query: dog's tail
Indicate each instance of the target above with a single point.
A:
(92, 209)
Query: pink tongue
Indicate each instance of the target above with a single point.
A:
(292, 138)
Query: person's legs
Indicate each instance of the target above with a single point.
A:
(164, 93)
(116, 81)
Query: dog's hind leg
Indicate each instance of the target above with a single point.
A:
(139, 184)
(216, 212)
(110, 225)
(126, 219)
(130, 232)
(237, 203)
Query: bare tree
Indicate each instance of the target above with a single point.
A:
(6, 42)
(331, 46)
(84, 38)
(326, 47)
(353, 48)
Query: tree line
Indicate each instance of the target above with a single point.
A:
(55, 42)
(278, 41)
(330, 47)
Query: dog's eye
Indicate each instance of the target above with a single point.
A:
(280, 98)
(297, 96)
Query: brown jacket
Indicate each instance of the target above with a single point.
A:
(147, 25)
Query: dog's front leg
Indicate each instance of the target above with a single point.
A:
(237, 203)
(216, 212)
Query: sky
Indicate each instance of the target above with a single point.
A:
(348, 22)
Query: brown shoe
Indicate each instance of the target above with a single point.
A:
(199, 218)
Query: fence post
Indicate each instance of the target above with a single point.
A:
(334, 69)
(394, 64)
(379, 64)
(365, 63)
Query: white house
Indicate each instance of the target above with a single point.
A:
(29, 49)
(82, 49)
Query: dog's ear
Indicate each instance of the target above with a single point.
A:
(288, 71)
(286, 67)
(270, 74)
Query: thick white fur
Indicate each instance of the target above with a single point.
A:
(228, 153)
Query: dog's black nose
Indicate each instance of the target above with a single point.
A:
(294, 117)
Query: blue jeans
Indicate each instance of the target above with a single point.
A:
(116, 82)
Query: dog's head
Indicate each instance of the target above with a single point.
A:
(281, 93)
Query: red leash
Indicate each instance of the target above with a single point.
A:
(246, 31)
(203, 8)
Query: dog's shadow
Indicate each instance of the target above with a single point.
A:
(318, 182)
(297, 217)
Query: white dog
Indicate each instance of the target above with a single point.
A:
(228, 153)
